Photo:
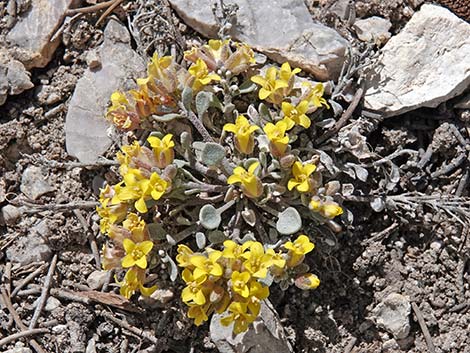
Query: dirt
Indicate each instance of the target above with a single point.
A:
(420, 252)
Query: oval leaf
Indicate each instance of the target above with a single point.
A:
(212, 154)
(209, 217)
(289, 221)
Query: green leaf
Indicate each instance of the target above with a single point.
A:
(203, 102)
(212, 154)
(216, 237)
(289, 221)
(247, 87)
(187, 98)
(157, 232)
(209, 217)
(264, 112)
(165, 118)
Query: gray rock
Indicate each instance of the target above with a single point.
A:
(392, 314)
(96, 279)
(51, 303)
(266, 334)
(281, 29)
(34, 184)
(14, 79)
(373, 29)
(19, 349)
(32, 248)
(424, 65)
(31, 36)
(85, 126)
(10, 214)
(92, 59)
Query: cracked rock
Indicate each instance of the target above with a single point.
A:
(424, 65)
(392, 314)
(85, 126)
(31, 36)
(34, 184)
(281, 29)
(373, 29)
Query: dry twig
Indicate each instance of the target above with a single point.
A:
(90, 236)
(424, 328)
(21, 334)
(28, 279)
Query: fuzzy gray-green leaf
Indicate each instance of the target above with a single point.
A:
(209, 217)
(212, 154)
(289, 221)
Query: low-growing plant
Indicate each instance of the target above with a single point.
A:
(220, 159)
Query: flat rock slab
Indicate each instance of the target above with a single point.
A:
(266, 334)
(85, 125)
(31, 36)
(426, 64)
(281, 29)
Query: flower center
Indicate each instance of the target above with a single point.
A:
(137, 254)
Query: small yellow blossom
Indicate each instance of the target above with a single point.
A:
(244, 140)
(257, 261)
(258, 292)
(277, 259)
(162, 149)
(120, 113)
(301, 179)
(238, 315)
(297, 114)
(198, 313)
(307, 281)
(184, 254)
(250, 183)
(328, 209)
(133, 281)
(298, 249)
(270, 85)
(315, 95)
(193, 291)
(231, 250)
(201, 74)
(278, 140)
(207, 265)
(157, 66)
(241, 59)
(136, 254)
(239, 283)
(286, 73)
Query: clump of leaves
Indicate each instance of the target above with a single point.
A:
(223, 163)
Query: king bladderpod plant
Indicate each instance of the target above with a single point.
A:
(217, 157)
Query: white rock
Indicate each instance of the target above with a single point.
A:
(392, 314)
(34, 184)
(266, 334)
(19, 350)
(282, 29)
(31, 36)
(52, 304)
(424, 65)
(10, 214)
(96, 279)
(373, 29)
(85, 126)
(14, 79)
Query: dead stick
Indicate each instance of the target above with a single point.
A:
(350, 345)
(424, 328)
(45, 291)
(108, 11)
(18, 321)
(344, 118)
(133, 329)
(90, 9)
(90, 236)
(28, 279)
(56, 206)
(15, 336)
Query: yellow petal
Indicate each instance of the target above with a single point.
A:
(127, 261)
(304, 186)
(141, 206)
(309, 168)
(232, 179)
(252, 167)
(260, 80)
(264, 93)
(146, 246)
(292, 183)
(199, 298)
(230, 127)
(142, 262)
(128, 245)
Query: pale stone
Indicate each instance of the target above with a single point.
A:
(31, 36)
(85, 125)
(392, 314)
(14, 79)
(282, 29)
(34, 183)
(373, 29)
(422, 66)
(266, 334)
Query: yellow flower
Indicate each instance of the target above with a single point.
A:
(109, 212)
(270, 85)
(244, 140)
(301, 179)
(121, 114)
(231, 250)
(207, 265)
(297, 113)
(184, 254)
(300, 246)
(198, 313)
(239, 283)
(193, 291)
(257, 262)
(250, 183)
(241, 59)
(201, 75)
(277, 258)
(286, 73)
(258, 292)
(214, 47)
(307, 281)
(331, 209)
(315, 95)
(141, 189)
(278, 140)
(157, 66)
(136, 254)
(162, 149)
(238, 315)
(133, 280)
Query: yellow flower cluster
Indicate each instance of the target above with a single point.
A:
(130, 248)
(230, 280)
